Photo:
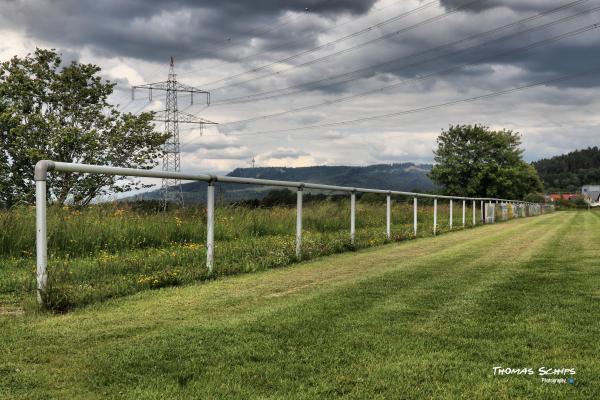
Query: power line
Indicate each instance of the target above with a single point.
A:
(137, 111)
(284, 45)
(453, 68)
(325, 45)
(270, 94)
(124, 106)
(320, 32)
(292, 42)
(345, 51)
(228, 41)
(242, 35)
(429, 108)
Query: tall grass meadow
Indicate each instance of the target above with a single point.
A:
(112, 250)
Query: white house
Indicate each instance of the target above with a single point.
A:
(591, 194)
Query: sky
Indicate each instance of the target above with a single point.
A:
(336, 82)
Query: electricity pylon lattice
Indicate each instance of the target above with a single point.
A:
(172, 117)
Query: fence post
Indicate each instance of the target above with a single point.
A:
(388, 217)
(299, 223)
(464, 215)
(474, 213)
(41, 239)
(210, 226)
(415, 224)
(434, 216)
(495, 211)
(352, 216)
(482, 213)
(451, 216)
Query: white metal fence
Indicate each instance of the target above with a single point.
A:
(518, 208)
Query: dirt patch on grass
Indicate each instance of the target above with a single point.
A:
(11, 310)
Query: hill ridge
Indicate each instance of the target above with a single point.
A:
(395, 176)
(569, 172)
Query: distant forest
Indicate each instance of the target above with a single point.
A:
(569, 172)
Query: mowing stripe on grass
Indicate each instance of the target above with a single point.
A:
(421, 319)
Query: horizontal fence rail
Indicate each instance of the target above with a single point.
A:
(516, 208)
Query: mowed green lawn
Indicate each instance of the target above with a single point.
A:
(429, 318)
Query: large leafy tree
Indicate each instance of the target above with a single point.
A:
(61, 113)
(473, 160)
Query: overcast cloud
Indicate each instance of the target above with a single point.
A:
(387, 56)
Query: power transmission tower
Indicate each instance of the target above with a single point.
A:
(172, 117)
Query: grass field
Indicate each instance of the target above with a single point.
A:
(428, 318)
(105, 252)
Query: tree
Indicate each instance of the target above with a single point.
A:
(569, 172)
(472, 160)
(61, 113)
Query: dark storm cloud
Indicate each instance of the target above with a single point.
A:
(548, 52)
(515, 5)
(248, 34)
(154, 30)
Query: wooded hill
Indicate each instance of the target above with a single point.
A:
(404, 177)
(569, 172)
(564, 173)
